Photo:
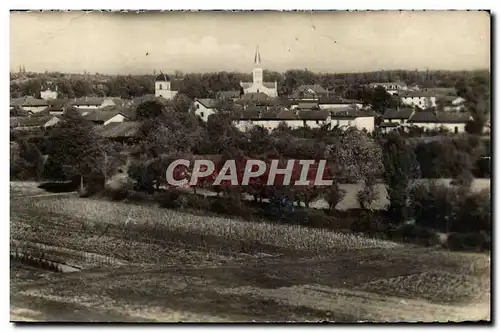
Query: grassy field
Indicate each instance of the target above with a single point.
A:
(142, 263)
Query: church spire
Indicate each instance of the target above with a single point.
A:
(257, 56)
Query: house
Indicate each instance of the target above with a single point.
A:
(258, 84)
(269, 120)
(314, 119)
(429, 97)
(305, 106)
(362, 120)
(451, 103)
(48, 94)
(112, 101)
(165, 88)
(229, 95)
(392, 88)
(125, 132)
(338, 103)
(87, 103)
(256, 98)
(399, 116)
(420, 99)
(29, 104)
(387, 127)
(33, 123)
(432, 120)
(244, 120)
(57, 106)
(105, 117)
(205, 107)
(309, 92)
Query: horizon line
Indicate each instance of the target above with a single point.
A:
(241, 72)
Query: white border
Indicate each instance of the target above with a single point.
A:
(186, 4)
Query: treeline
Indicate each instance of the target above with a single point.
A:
(207, 85)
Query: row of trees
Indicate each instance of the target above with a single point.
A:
(346, 85)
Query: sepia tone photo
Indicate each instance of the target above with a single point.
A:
(250, 166)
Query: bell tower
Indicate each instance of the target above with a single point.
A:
(257, 70)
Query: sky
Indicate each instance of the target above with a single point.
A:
(141, 43)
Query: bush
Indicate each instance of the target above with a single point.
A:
(116, 194)
(230, 207)
(198, 202)
(168, 199)
(313, 218)
(435, 206)
(370, 223)
(60, 187)
(469, 241)
(414, 233)
(474, 213)
(137, 196)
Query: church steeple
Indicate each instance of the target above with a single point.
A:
(257, 56)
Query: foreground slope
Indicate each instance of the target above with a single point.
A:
(146, 264)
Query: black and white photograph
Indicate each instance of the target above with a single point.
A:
(250, 166)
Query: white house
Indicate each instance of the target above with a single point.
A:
(399, 116)
(361, 120)
(453, 103)
(87, 103)
(103, 117)
(314, 119)
(205, 107)
(112, 101)
(452, 122)
(258, 84)
(30, 104)
(48, 94)
(163, 87)
(339, 104)
(391, 87)
(269, 120)
(305, 106)
(421, 99)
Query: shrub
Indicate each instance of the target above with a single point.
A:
(60, 187)
(334, 195)
(415, 234)
(137, 196)
(469, 241)
(435, 206)
(198, 202)
(368, 194)
(474, 213)
(231, 206)
(116, 194)
(168, 199)
(314, 218)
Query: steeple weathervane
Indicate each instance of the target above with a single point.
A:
(257, 56)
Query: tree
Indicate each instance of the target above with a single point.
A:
(26, 161)
(149, 109)
(355, 156)
(401, 168)
(380, 99)
(182, 103)
(74, 150)
(368, 193)
(334, 195)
